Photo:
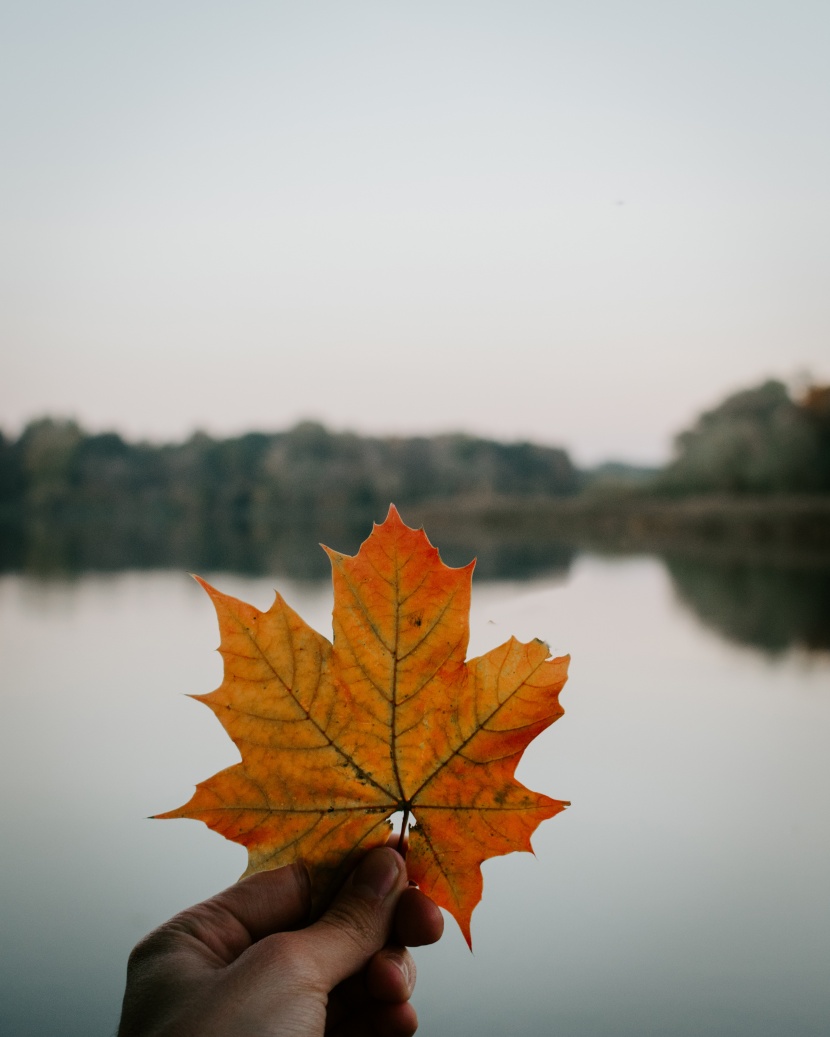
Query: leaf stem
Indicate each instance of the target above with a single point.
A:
(401, 847)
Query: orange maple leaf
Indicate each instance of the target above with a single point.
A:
(335, 738)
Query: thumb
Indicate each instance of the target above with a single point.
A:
(359, 920)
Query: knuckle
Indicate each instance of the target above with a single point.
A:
(356, 922)
(158, 944)
(155, 954)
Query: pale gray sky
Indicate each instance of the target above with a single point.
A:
(575, 222)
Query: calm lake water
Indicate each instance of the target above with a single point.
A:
(685, 892)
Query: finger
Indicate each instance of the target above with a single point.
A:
(398, 1020)
(358, 922)
(418, 920)
(374, 1019)
(227, 924)
(390, 975)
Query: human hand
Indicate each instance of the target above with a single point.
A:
(237, 965)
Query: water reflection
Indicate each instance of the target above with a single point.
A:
(755, 602)
(767, 606)
(285, 548)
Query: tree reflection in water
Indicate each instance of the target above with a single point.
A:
(770, 606)
(773, 607)
(288, 546)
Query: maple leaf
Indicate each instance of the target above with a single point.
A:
(335, 738)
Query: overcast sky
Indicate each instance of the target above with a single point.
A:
(579, 223)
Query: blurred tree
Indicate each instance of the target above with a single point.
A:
(47, 451)
(756, 441)
(816, 406)
(11, 473)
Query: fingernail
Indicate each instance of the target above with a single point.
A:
(403, 966)
(377, 874)
(303, 876)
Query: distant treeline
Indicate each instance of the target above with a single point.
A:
(55, 469)
(257, 502)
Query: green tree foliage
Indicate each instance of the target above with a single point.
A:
(756, 441)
